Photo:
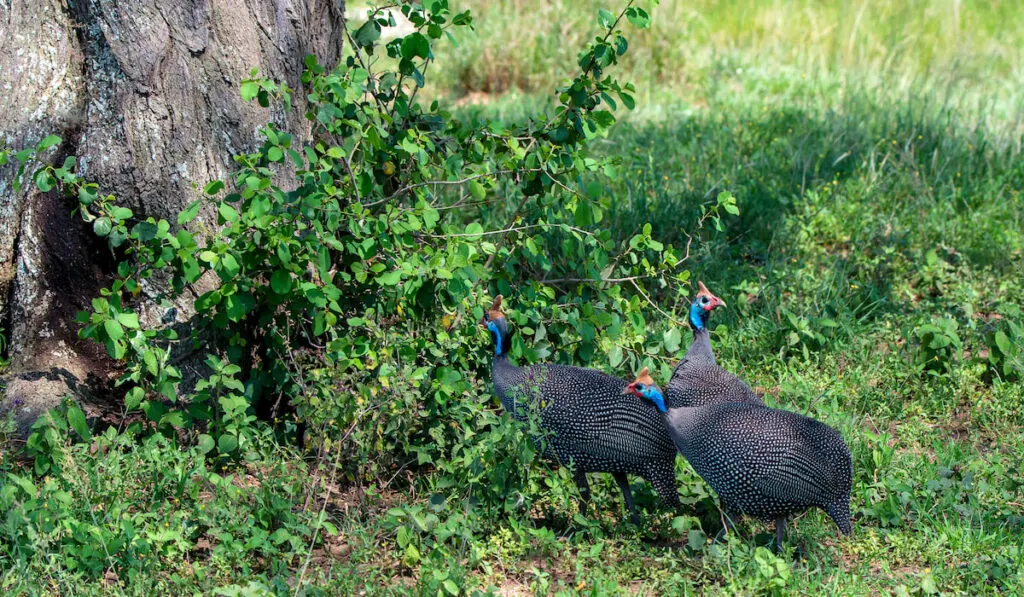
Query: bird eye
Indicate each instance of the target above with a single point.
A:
(640, 387)
(487, 316)
(704, 300)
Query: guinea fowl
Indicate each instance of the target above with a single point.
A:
(761, 461)
(592, 425)
(697, 380)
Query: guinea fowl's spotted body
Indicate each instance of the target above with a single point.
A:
(765, 462)
(592, 425)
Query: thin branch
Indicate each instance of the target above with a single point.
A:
(355, 185)
(592, 280)
(512, 229)
(356, 50)
(412, 98)
(655, 305)
(408, 188)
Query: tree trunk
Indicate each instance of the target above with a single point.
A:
(145, 94)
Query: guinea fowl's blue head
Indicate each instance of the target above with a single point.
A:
(644, 387)
(494, 321)
(703, 304)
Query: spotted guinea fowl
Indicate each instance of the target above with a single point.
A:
(592, 425)
(697, 380)
(761, 461)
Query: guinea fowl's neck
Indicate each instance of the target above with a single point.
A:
(502, 338)
(701, 345)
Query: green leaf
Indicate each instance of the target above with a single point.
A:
(615, 356)
(149, 359)
(281, 281)
(1003, 342)
(227, 443)
(638, 17)
(113, 329)
(128, 320)
(229, 266)
(627, 100)
(368, 33)
(672, 339)
(189, 213)
(212, 188)
(76, 418)
(238, 305)
(133, 398)
(249, 89)
(48, 142)
(204, 443)
(391, 278)
(227, 212)
(477, 190)
(44, 181)
(415, 45)
(605, 18)
(274, 154)
(696, 539)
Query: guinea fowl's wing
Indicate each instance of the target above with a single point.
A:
(796, 476)
(586, 409)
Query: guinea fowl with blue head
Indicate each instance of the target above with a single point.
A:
(763, 462)
(591, 425)
(697, 380)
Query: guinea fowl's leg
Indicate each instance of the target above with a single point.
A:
(623, 482)
(581, 482)
(780, 533)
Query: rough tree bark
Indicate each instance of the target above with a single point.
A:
(145, 93)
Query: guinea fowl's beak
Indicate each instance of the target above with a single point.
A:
(628, 390)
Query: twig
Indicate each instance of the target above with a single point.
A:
(356, 49)
(412, 98)
(408, 188)
(655, 305)
(512, 229)
(592, 280)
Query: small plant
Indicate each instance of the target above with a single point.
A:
(940, 345)
(1006, 351)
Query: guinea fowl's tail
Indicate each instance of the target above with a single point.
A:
(840, 512)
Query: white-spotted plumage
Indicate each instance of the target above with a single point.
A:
(764, 462)
(591, 424)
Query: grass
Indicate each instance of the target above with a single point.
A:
(875, 149)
